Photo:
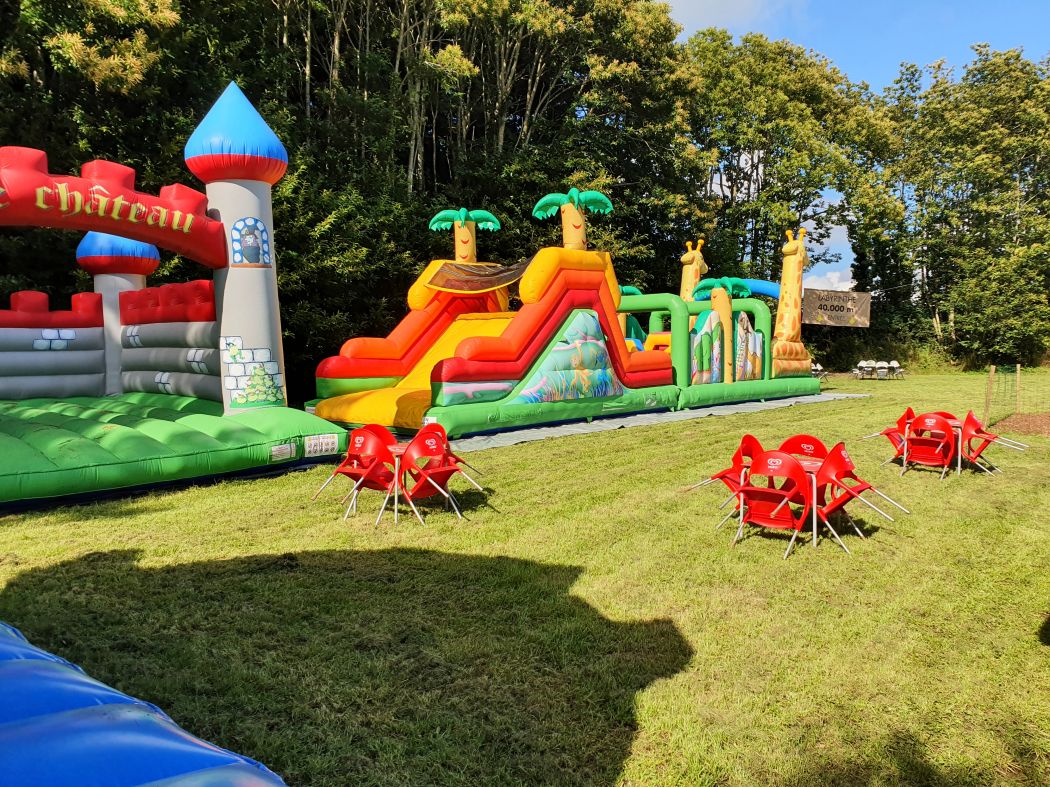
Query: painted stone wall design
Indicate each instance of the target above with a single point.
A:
(577, 367)
(252, 377)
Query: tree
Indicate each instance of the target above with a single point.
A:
(573, 207)
(463, 224)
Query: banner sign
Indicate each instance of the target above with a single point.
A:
(835, 307)
(104, 199)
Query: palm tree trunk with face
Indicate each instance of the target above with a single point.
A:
(465, 241)
(573, 227)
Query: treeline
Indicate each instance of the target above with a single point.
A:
(394, 109)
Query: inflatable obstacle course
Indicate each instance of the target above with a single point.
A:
(136, 385)
(460, 359)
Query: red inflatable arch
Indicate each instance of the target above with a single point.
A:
(104, 199)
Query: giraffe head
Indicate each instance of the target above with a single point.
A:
(693, 256)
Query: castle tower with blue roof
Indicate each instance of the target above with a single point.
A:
(117, 265)
(239, 158)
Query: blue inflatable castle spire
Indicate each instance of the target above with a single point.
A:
(233, 142)
(239, 158)
(117, 265)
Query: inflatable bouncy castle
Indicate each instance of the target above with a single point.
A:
(136, 385)
(461, 359)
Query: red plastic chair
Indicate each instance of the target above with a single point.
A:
(735, 475)
(895, 434)
(368, 464)
(804, 445)
(748, 449)
(357, 457)
(837, 475)
(429, 464)
(381, 432)
(974, 430)
(769, 506)
(439, 430)
(929, 441)
(354, 458)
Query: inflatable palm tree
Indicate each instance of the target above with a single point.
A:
(737, 288)
(573, 206)
(464, 225)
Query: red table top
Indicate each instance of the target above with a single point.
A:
(810, 465)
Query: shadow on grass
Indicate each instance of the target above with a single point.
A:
(340, 667)
(1044, 631)
(904, 759)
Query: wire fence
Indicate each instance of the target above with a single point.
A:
(1015, 390)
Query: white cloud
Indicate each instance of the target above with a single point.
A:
(736, 15)
(828, 279)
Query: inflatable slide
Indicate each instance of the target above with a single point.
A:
(461, 360)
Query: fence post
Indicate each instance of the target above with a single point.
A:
(1017, 406)
(988, 394)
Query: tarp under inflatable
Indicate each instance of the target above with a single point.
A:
(60, 727)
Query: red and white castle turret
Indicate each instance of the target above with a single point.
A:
(239, 158)
(117, 265)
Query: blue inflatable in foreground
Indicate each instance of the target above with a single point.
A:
(60, 727)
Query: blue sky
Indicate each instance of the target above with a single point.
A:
(868, 41)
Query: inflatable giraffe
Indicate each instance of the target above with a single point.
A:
(693, 269)
(790, 356)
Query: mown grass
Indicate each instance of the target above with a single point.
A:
(590, 627)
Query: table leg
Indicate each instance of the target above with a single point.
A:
(814, 477)
(958, 458)
(397, 482)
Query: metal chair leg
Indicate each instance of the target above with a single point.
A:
(791, 544)
(739, 534)
(478, 486)
(705, 482)
(455, 506)
(836, 535)
(437, 486)
(353, 489)
(325, 484)
(850, 520)
(889, 499)
(873, 506)
(725, 519)
(415, 510)
(381, 510)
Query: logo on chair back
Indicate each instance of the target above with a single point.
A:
(929, 421)
(359, 441)
(431, 442)
(774, 462)
(808, 448)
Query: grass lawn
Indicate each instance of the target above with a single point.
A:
(590, 627)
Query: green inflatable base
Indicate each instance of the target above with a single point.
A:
(747, 391)
(84, 445)
(461, 419)
(329, 387)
